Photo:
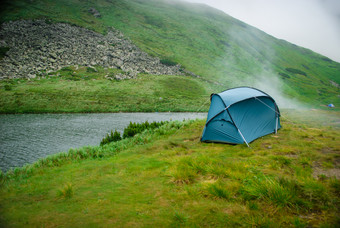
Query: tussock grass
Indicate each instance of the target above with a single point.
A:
(218, 190)
(66, 192)
(167, 177)
(179, 219)
(281, 193)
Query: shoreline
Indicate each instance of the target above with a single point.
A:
(167, 173)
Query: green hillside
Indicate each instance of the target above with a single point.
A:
(203, 40)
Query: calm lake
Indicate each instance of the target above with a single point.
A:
(28, 137)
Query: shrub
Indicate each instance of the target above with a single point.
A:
(135, 128)
(8, 87)
(3, 51)
(168, 62)
(284, 75)
(296, 71)
(326, 59)
(306, 67)
(113, 137)
(131, 130)
(2, 177)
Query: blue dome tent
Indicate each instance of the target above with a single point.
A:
(240, 115)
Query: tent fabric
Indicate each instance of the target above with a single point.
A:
(240, 115)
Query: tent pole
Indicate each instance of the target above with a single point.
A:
(236, 126)
(276, 124)
(243, 137)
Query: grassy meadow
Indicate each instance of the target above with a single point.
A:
(81, 90)
(77, 89)
(167, 178)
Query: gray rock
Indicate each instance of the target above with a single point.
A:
(36, 46)
(94, 12)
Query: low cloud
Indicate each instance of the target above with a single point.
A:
(272, 85)
(313, 24)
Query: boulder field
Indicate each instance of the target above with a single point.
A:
(36, 47)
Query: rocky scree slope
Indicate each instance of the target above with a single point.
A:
(37, 47)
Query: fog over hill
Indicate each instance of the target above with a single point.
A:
(314, 24)
(208, 42)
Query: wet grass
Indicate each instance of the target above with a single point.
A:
(80, 90)
(167, 177)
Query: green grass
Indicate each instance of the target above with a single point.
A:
(167, 177)
(3, 51)
(66, 191)
(83, 91)
(203, 40)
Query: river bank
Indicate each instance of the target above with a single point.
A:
(166, 177)
(27, 137)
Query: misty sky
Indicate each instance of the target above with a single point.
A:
(314, 24)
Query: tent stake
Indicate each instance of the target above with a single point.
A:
(243, 137)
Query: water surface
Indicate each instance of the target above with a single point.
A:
(28, 137)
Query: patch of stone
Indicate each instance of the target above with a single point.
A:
(119, 76)
(37, 48)
(318, 171)
(94, 12)
(334, 84)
